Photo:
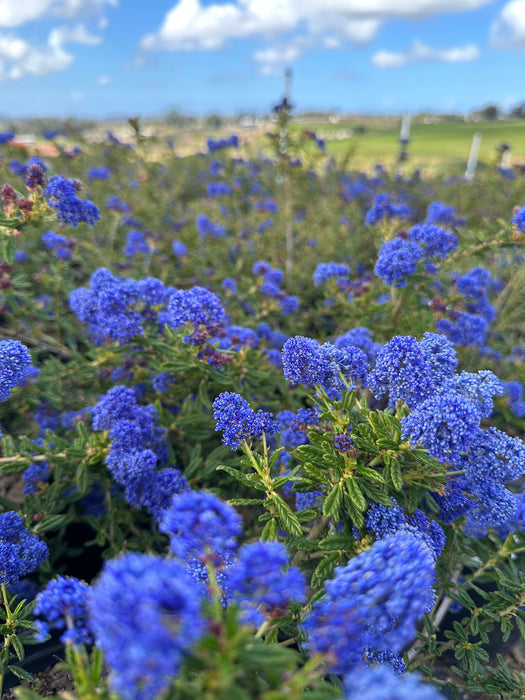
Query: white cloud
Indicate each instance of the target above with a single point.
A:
(104, 80)
(191, 26)
(14, 13)
(421, 53)
(18, 58)
(508, 29)
(272, 60)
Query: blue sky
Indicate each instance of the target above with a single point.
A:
(115, 58)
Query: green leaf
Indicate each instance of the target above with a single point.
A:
(370, 473)
(287, 516)
(22, 693)
(333, 501)
(20, 672)
(251, 480)
(521, 626)
(18, 647)
(270, 531)
(387, 444)
(325, 568)
(194, 463)
(309, 453)
(53, 522)
(82, 478)
(395, 474)
(245, 501)
(355, 494)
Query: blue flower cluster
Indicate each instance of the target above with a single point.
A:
(464, 329)
(196, 307)
(383, 208)
(206, 227)
(116, 309)
(61, 195)
(263, 583)
(294, 426)
(361, 338)
(200, 524)
(387, 520)
(15, 366)
(382, 683)
(35, 474)
(397, 260)
(373, 603)
(439, 213)
(307, 362)
(63, 605)
(218, 189)
(270, 283)
(60, 245)
(20, 551)
(434, 241)
(324, 271)
(136, 244)
(238, 421)
(519, 220)
(145, 615)
(219, 144)
(402, 372)
(137, 447)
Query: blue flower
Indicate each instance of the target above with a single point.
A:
(382, 683)
(238, 421)
(402, 372)
(61, 195)
(263, 583)
(324, 271)
(200, 524)
(519, 220)
(15, 366)
(433, 240)
(373, 603)
(466, 329)
(145, 615)
(397, 260)
(63, 605)
(439, 213)
(446, 424)
(20, 551)
(196, 306)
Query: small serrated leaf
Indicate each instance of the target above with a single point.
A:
(270, 531)
(355, 494)
(20, 672)
(333, 501)
(82, 478)
(287, 516)
(395, 474)
(325, 568)
(18, 647)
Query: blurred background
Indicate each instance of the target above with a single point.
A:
(351, 69)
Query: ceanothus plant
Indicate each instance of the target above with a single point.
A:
(291, 470)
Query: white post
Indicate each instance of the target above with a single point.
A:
(473, 157)
(404, 136)
(506, 159)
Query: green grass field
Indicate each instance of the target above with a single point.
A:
(442, 146)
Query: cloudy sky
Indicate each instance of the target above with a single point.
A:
(123, 57)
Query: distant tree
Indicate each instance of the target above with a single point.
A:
(213, 121)
(490, 112)
(518, 112)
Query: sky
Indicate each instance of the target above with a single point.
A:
(120, 58)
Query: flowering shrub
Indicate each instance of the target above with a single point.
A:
(289, 419)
